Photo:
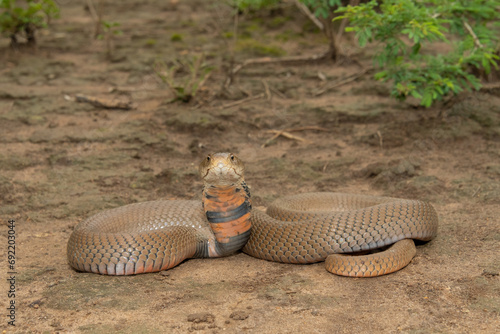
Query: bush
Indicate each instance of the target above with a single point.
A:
(25, 17)
(402, 27)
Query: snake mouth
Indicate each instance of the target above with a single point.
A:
(221, 176)
(221, 169)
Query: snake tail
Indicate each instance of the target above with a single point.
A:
(396, 257)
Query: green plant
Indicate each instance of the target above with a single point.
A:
(251, 46)
(25, 17)
(176, 37)
(404, 27)
(243, 5)
(184, 87)
(109, 30)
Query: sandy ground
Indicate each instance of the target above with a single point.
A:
(61, 161)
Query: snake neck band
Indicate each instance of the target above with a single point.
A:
(228, 212)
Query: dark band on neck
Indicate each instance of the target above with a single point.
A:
(227, 216)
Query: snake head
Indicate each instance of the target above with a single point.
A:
(221, 169)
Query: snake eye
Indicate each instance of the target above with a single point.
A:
(208, 158)
(232, 157)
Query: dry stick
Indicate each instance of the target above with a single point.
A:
(380, 139)
(269, 60)
(250, 98)
(96, 17)
(93, 12)
(277, 92)
(342, 82)
(477, 190)
(270, 140)
(304, 128)
(286, 133)
(266, 88)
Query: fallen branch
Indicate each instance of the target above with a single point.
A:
(286, 133)
(277, 92)
(250, 98)
(269, 60)
(305, 128)
(342, 82)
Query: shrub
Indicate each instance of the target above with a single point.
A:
(403, 27)
(25, 17)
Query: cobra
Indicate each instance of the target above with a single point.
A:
(305, 228)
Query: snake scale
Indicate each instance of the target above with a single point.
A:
(305, 228)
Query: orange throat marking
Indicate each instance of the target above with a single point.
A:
(228, 211)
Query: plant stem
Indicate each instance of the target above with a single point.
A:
(474, 36)
(310, 15)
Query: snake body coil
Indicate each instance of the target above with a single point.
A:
(158, 235)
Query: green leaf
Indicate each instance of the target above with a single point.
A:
(426, 99)
(381, 75)
(416, 94)
(416, 48)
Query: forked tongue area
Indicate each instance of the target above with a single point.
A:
(228, 212)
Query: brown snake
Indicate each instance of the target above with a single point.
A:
(306, 228)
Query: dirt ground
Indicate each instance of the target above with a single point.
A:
(61, 161)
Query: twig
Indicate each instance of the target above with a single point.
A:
(310, 15)
(266, 88)
(477, 190)
(92, 10)
(277, 92)
(286, 133)
(343, 81)
(305, 128)
(269, 60)
(96, 16)
(380, 139)
(270, 140)
(250, 98)
(474, 36)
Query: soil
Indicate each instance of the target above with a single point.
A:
(62, 161)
